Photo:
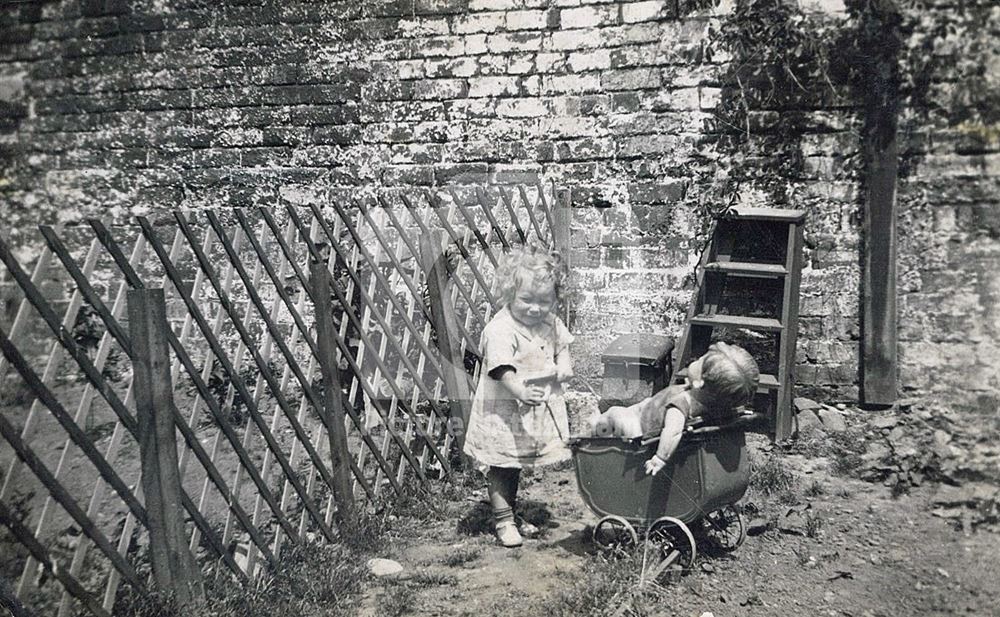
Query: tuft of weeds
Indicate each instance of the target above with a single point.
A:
(426, 579)
(815, 489)
(772, 478)
(461, 557)
(814, 524)
(394, 600)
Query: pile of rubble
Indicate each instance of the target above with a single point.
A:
(915, 443)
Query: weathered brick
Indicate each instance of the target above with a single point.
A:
(588, 16)
(650, 10)
(440, 89)
(440, 7)
(632, 79)
(514, 41)
(522, 108)
(558, 84)
(467, 173)
(590, 60)
(493, 86)
(527, 20)
(479, 22)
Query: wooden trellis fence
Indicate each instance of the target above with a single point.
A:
(266, 315)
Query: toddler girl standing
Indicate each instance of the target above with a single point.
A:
(518, 416)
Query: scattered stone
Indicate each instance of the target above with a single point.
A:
(805, 404)
(943, 572)
(384, 567)
(707, 614)
(757, 526)
(707, 567)
(832, 420)
(807, 421)
(885, 422)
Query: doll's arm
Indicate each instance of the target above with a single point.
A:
(670, 436)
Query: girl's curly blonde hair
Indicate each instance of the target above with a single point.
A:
(528, 264)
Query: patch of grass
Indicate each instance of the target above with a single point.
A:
(461, 557)
(604, 587)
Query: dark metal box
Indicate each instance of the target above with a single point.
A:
(635, 366)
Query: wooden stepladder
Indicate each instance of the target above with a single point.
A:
(747, 293)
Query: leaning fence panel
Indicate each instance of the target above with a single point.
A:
(259, 444)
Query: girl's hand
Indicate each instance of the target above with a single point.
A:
(654, 465)
(530, 395)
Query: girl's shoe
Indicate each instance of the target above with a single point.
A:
(508, 535)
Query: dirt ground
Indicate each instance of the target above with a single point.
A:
(825, 545)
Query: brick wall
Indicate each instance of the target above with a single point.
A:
(115, 107)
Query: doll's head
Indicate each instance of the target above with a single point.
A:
(529, 283)
(727, 375)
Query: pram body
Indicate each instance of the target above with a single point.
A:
(707, 474)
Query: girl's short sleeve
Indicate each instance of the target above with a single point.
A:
(563, 336)
(499, 346)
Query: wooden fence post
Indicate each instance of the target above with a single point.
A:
(333, 396)
(562, 217)
(456, 379)
(175, 571)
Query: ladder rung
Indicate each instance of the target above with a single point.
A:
(766, 214)
(745, 268)
(737, 321)
(768, 382)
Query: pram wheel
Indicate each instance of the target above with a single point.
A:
(614, 533)
(725, 528)
(674, 541)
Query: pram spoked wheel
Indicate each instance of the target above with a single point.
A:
(615, 534)
(674, 541)
(725, 528)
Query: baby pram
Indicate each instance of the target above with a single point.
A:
(692, 495)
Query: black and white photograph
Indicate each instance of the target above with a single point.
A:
(499, 308)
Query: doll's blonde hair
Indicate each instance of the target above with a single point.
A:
(730, 374)
(528, 265)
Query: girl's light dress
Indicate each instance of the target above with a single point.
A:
(502, 431)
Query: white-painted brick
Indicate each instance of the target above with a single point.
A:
(492, 86)
(531, 86)
(408, 69)
(590, 60)
(423, 27)
(475, 45)
(457, 67)
(526, 20)
(515, 41)
(708, 98)
(478, 22)
(558, 84)
(521, 64)
(547, 62)
(494, 5)
(634, 12)
(569, 127)
(589, 16)
(574, 39)
(441, 46)
(522, 108)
